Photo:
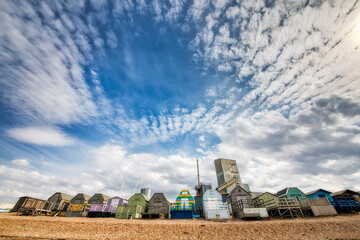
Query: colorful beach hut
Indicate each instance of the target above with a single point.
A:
(321, 193)
(266, 199)
(137, 205)
(214, 207)
(111, 206)
(97, 205)
(291, 192)
(159, 207)
(184, 206)
(345, 200)
(79, 206)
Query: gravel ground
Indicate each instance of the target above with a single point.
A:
(40, 227)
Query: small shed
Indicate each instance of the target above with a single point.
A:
(345, 200)
(137, 205)
(291, 192)
(159, 207)
(242, 206)
(184, 205)
(112, 204)
(97, 205)
(59, 203)
(79, 206)
(321, 193)
(33, 206)
(214, 207)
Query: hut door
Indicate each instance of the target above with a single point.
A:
(185, 203)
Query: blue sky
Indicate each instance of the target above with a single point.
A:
(96, 93)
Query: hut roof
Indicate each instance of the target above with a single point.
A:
(66, 196)
(63, 196)
(85, 197)
(264, 194)
(344, 192)
(285, 191)
(236, 189)
(317, 190)
(160, 194)
(104, 197)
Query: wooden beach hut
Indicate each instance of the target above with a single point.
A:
(321, 193)
(19, 203)
(214, 207)
(137, 205)
(110, 208)
(184, 206)
(241, 205)
(58, 204)
(266, 199)
(159, 207)
(345, 201)
(32, 206)
(79, 206)
(97, 205)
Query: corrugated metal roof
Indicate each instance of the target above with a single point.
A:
(317, 190)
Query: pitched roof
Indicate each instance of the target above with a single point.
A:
(317, 190)
(282, 192)
(342, 192)
(264, 194)
(285, 191)
(65, 196)
(160, 194)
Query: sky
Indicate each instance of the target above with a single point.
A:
(113, 96)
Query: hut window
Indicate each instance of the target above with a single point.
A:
(321, 195)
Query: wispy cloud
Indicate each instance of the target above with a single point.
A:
(21, 163)
(44, 136)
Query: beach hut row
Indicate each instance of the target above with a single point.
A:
(288, 202)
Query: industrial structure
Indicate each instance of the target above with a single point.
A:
(200, 189)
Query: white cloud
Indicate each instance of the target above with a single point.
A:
(21, 163)
(44, 136)
(47, 84)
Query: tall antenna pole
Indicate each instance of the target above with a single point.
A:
(136, 185)
(198, 173)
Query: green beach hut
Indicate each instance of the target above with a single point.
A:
(137, 205)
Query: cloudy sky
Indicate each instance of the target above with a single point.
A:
(99, 95)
